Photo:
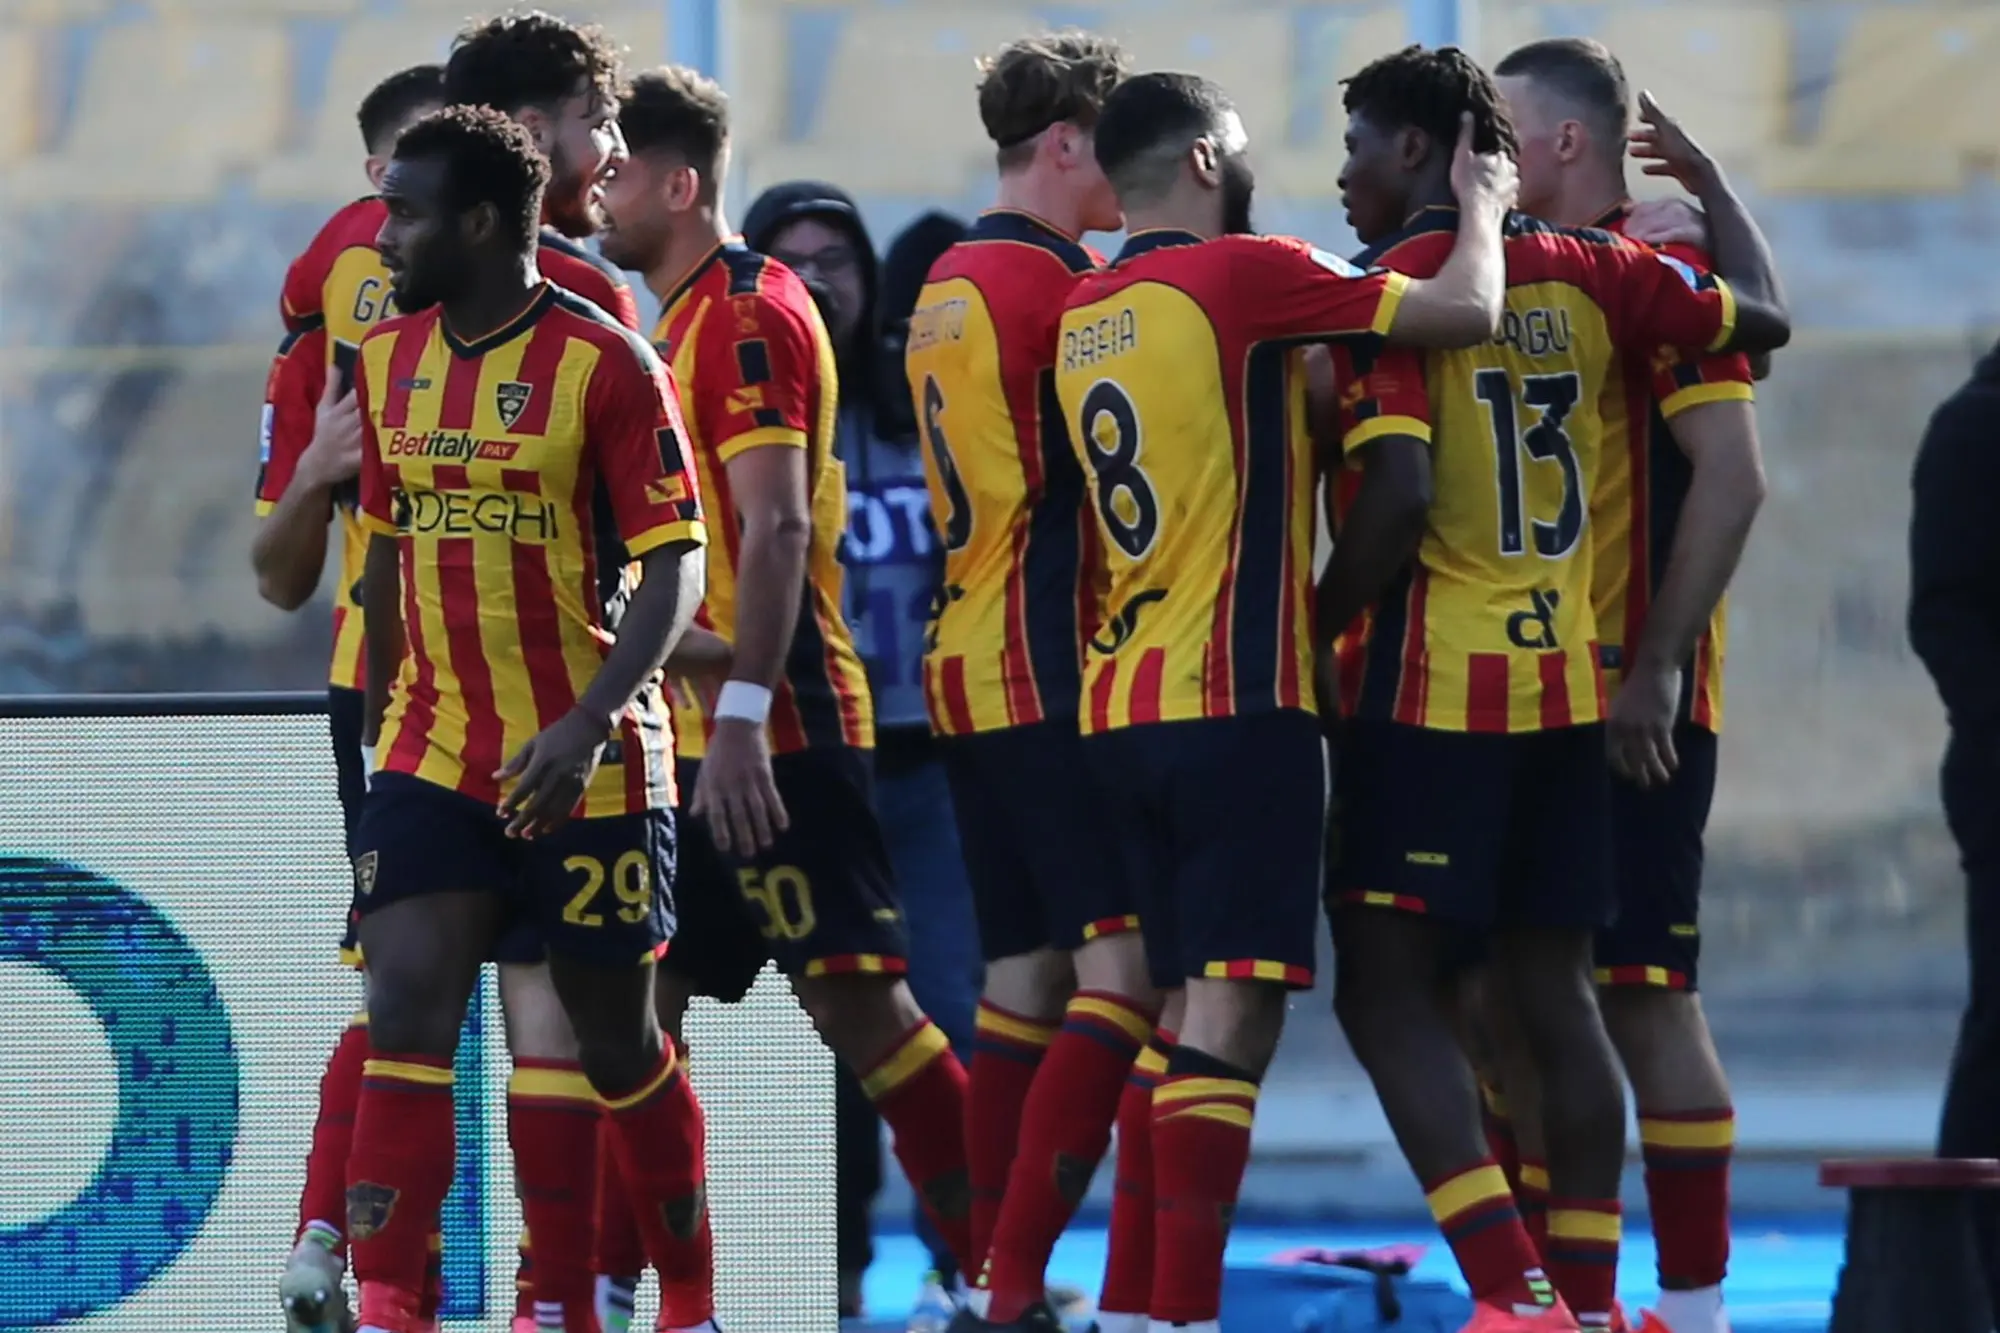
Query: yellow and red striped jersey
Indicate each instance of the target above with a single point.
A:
(338, 288)
(1492, 628)
(1636, 505)
(1022, 575)
(1181, 374)
(520, 474)
(756, 368)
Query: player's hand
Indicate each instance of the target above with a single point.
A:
(1488, 182)
(1667, 149)
(334, 455)
(1640, 726)
(735, 791)
(550, 774)
(1665, 222)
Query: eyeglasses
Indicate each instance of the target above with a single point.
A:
(827, 262)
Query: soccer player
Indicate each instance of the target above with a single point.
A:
(1474, 792)
(309, 457)
(1176, 372)
(520, 447)
(784, 859)
(1068, 1004)
(560, 81)
(1676, 493)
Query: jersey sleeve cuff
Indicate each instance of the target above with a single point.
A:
(789, 436)
(264, 507)
(1728, 329)
(692, 531)
(376, 527)
(1727, 391)
(1376, 427)
(1393, 291)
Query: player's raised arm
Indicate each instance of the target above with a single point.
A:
(1460, 307)
(311, 443)
(1742, 255)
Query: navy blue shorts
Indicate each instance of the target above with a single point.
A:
(820, 900)
(1220, 823)
(1474, 828)
(1656, 838)
(1044, 866)
(599, 890)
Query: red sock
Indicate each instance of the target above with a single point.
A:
(620, 1251)
(399, 1171)
(1687, 1184)
(1531, 1197)
(1499, 1128)
(552, 1114)
(1065, 1129)
(919, 1087)
(1475, 1211)
(1006, 1051)
(1201, 1143)
(1583, 1256)
(1128, 1257)
(660, 1143)
(524, 1277)
(323, 1199)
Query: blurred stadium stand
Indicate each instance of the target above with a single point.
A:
(162, 160)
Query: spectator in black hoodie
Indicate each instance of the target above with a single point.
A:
(1955, 628)
(894, 570)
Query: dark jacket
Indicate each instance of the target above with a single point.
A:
(782, 204)
(1955, 551)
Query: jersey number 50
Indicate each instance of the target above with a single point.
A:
(1126, 501)
(1544, 441)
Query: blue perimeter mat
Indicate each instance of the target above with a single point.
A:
(1781, 1271)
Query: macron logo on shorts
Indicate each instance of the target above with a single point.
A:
(1438, 860)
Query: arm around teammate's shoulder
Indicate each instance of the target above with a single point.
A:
(1741, 253)
(1461, 306)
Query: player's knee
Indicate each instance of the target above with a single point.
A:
(1237, 1021)
(859, 1016)
(1117, 964)
(1033, 985)
(1385, 963)
(410, 1014)
(538, 1027)
(1663, 1040)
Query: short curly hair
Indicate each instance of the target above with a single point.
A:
(489, 158)
(531, 59)
(678, 109)
(1429, 89)
(1035, 82)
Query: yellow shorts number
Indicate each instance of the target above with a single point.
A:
(783, 895)
(631, 883)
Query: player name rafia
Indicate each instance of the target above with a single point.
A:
(1539, 331)
(934, 324)
(523, 518)
(1106, 336)
(447, 446)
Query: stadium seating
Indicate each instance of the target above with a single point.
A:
(19, 92)
(166, 107)
(1911, 103)
(327, 165)
(1722, 71)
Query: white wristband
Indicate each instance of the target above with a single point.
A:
(744, 701)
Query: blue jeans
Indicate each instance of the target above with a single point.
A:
(913, 802)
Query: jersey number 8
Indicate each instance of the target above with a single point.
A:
(1126, 501)
(1544, 441)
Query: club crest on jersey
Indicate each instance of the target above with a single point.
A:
(510, 400)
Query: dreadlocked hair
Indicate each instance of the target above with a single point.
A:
(1430, 90)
